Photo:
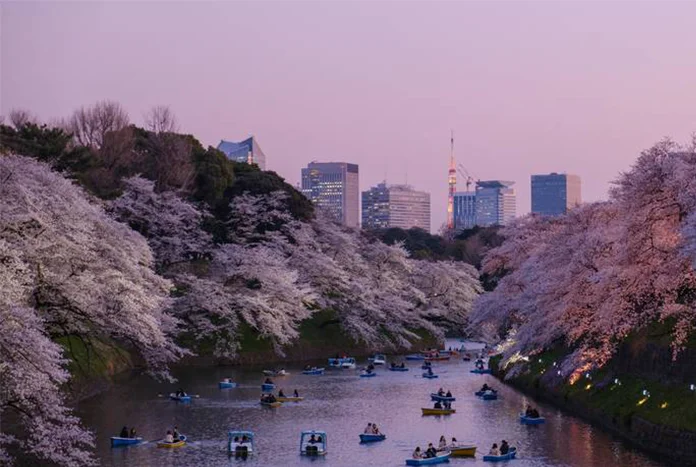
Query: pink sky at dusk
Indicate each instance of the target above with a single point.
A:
(528, 87)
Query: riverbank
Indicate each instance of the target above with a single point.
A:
(642, 396)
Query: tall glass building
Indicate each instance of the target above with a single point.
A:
(333, 188)
(496, 203)
(464, 210)
(554, 194)
(247, 151)
(395, 206)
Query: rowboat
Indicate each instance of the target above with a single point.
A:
(313, 371)
(531, 420)
(176, 444)
(370, 438)
(398, 368)
(429, 411)
(367, 374)
(227, 385)
(347, 363)
(505, 457)
(415, 357)
(378, 359)
(430, 375)
(240, 443)
(482, 393)
(174, 397)
(275, 373)
(437, 397)
(442, 458)
(268, 386)
(290, 399)
(489, 397)
(478, 371)
(273, 405)
(463, 451)
(118, 441)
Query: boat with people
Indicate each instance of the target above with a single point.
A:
(313, 371)
(502, 457)
(334, 362)
(367, 374)
(347, 363)
(430, 375)
(179, 397)
(526, 420)
(176, 443)
(240, 443)
(280, 372)
(433, 411)
(395, 367)
(378, 359)
(119, 441)
(439, 459)
(442, 398)
(371, 437)
(227, 383)
(313, 443)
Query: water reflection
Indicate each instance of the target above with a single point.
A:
(341, 403)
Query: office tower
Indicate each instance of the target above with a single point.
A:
(395, 206)
(554, 194)
(333, 188)
(495, 202)
(247, 151)
(464, 210)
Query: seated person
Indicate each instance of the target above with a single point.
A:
(417, 454)
(375, 430)
(485, 387)
(494, 450)
(504, 448)
(176, 434)
(437, 405)
(430, 371)
(403, 365)
(529, 411)
(449, 394)
(535, 413)
(319, 440)
(281, 393)
(454, 442)
(312, 440)
(430, 452)
(368, 429)
(440, 392)
(268, 381)
(169, 438)
(443, 443)
(124, 432)
(296, 394)
(133, 434)
(245, 439)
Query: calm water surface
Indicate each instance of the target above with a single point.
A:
(340, 403)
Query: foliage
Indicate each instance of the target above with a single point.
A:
(590, 278)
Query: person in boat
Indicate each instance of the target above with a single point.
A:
(430, 371)
(124, 432)
(449, 394)
(486, 387)
(281, 393)
(535, 413)
(375, 430)
(370, 367)
(225, 380)
(319, 440)
(245, 439)
(454, 442)
(403, 365)
(296, 394)
(443, 443)
(368, 429)
(176, 434)
(312, 440)
(431, 451)
(440, 392)
(132, 433)
(494, 450)
(268, 381)
(417, 454)
(504, 448)
(169, 437)
(437, 405)
(529, 411)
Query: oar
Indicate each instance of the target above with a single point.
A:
(197, 396)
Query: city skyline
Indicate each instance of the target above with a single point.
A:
(519, 104)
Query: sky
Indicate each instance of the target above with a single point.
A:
(527, 87)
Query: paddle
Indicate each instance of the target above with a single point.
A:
(197, 396)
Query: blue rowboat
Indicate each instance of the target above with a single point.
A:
(524, 420)
(429, 376)
(367, 374)
(314, 371)
(226, 385)
(118, 441)
(429, 460)
(437, 397)
(480, 393)
(174, 397)
(398, 368)
(268, 386)
(415, 357)
(368, 438)
(486, 371)
(506, 457)
(489, 397)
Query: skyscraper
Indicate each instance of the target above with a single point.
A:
(333, 188)
(395, 206)
(554, 194)
(495, 202)
(247, 151)
(464, 210)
